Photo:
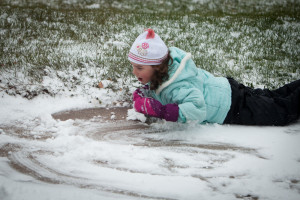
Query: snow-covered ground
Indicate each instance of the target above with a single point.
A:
(50, 64)
(46, 158)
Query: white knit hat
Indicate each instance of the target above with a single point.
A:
(148, 49)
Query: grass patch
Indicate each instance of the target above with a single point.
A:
(256, 42)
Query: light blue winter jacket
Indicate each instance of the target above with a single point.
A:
(200, 96)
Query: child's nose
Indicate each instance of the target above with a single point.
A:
(133, 71)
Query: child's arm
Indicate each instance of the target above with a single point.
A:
(154, 108)
(191, 103)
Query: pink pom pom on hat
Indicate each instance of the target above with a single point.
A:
(148, 49)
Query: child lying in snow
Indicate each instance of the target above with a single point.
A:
(176, 90)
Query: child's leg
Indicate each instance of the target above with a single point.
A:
(283, 91)
(264, 107)
(287, 89)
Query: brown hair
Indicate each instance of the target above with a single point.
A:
(161, 72)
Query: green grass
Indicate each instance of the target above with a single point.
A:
(256, 42)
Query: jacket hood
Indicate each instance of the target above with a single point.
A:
(183, 67)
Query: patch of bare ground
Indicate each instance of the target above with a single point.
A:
(119, 113)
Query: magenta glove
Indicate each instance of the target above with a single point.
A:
(154, 108)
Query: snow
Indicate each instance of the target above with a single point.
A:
(46, 158)
(133, 115)
(235, 34)
(93, 6)
(80, 159)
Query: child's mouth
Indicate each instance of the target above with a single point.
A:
(140, 79)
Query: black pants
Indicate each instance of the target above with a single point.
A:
(262, 106)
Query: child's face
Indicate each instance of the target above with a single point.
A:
(143, 73)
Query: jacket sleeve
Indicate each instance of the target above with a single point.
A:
(191, 103)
